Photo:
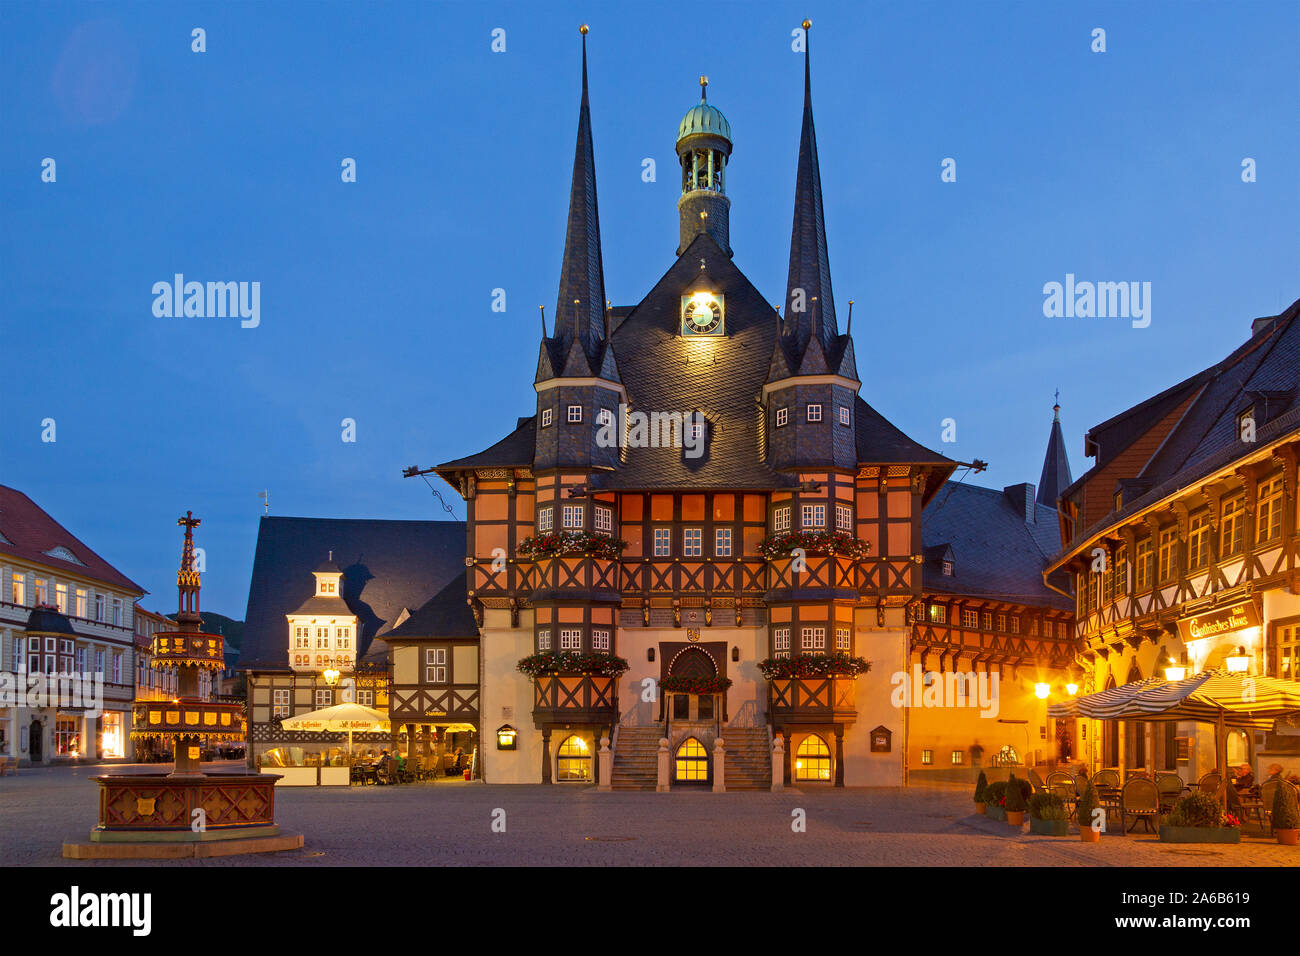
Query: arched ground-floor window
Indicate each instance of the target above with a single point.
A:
(573, 760)
(812, 759)
(692, 762)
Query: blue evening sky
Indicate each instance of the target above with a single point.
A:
(376, 296)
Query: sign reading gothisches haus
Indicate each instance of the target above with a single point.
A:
(1219, 621)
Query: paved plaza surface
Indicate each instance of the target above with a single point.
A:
(449, 823)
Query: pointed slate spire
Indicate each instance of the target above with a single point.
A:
(810, 269)
(582, 275)
(1056, 464)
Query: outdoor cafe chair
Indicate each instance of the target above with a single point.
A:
(1141, 800)
(1171, 787)
(1062, 784)
(1106, 778)
(1209, 783)
(1267, 793)
(1036, 781)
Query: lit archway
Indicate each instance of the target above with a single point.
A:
(812, 759)
(692, 762)
(573, 759)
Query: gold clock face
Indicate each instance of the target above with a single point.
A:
(702, 314)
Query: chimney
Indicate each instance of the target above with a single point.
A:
(1021, 497)
(1260, 324)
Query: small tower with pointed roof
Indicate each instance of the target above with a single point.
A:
(1055, 477)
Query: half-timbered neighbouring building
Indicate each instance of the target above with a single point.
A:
(324, 591)
(1182, 540)
(988, 622)
(771, 516)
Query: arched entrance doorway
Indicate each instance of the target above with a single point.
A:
(812, 760)
(573, 759)
(693, 664)
(34, 735)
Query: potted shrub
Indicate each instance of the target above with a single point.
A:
(995, 795)
(1196, 818)
(1014, 803)
(1286, 817)
(1087, 806)
(981, 805)
(1047, 816)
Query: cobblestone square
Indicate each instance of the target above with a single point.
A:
(450, 824)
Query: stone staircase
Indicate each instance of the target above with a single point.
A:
(749, 758)
(636, 758)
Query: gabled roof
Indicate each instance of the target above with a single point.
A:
(32, 534)
(446, 614)
(996, 553)
(387, 566)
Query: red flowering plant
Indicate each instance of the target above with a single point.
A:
(813, 665)
(695, 685)
(571, 663)
(1230, 820)
(777, 546)
(559, 543)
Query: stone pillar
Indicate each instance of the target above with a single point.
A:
(778, 764)
(546, 755)
(605, 773)
(839, 755)
(661, 778)
(785, 766)
(719, 766)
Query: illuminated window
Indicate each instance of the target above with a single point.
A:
(570, 639)
(435, 665)
(843, 639)
(722, 542)
(572, 516)
(1288, 651)
(575, 413)
(1198, 542)
(663, 542)
(781, 642)
(958, 757)
(546, 418)
(1232, 526)
(42, 591)
(366, 698)
(692, 763)
(66, 739)
(970, 618)
(1002, 622)
(814, 639)
(988, 620)
(573, 761)
(18, 589)
(938, 613)
(81, 599)
(1268, 512)
(844, 517)
(782, 417)
(544, 639)
(927, 757)
(692, 542)
(781, 519)
(814, 413)
(812, 516)
(545, 518)
(61, 598)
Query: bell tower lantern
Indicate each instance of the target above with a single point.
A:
(703, 148)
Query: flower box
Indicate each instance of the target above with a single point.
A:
(777, 546)
(995, 812)
(1049, 827)
(1200, 835)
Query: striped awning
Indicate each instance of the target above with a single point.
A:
(1243, 700)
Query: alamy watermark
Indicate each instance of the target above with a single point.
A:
(67, 691)
(1103, 300)
(685, 430)
(946, 689)
(211, 300)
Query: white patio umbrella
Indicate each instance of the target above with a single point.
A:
(348, 717)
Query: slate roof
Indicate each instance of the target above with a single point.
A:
(30, 533)
(1264, 372)
(1055, 477)
(45, 619)
(446, 614)
(388, 566)
(514, 451)
(995, 552)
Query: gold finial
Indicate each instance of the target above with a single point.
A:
(807, 24)
(583, 29)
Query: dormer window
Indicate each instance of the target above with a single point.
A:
(947, 569)
(1246, 424)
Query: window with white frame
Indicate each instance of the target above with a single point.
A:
(814, 413)
(117, 611)
(42, 589)
(99, 662)
(99, 607)
(844, 415)
(546, 418)
(781, 519)
(545, 518)
(600, 641)
(781, 642)
(782, 417)
(722, 542)
(61, 598)
(324, 697)
(814, 639)
(695, 430)
(970, 617)
(572, 516)
(17, 662)
(692, 542)
(843, 639)
(987, 620)
(604, 417)
(544, 639)
(1002, 622)
(435, 665)
(81, 660)
(82, 606)
(570, 639)
(813, 516)
(302, 638)
(843, 517)
(18, 589)
(663, 542)
(575, 413)
(366, 698)
(117, 668)
(280, 702)
(604, 519)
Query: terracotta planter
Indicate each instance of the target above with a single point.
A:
(1089, 835)
(1287, 837)
(983, 808)
(1015, 817)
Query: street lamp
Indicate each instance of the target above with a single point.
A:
(1042, 690)
(1238, 663)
